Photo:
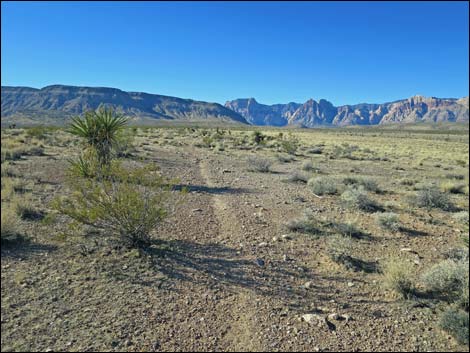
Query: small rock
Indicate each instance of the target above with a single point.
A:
(263, 244)
(350, 284)
(286, 237)
(197, 210)
(260, 262)
(308, 285)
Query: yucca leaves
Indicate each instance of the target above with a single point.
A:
(100, 130)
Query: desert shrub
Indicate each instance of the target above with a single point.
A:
(388, 220)
(207, 141)
(297, 177)
(10, 231)
(339, 249)
(461, 217)
(323, 185)
(256, 164)
(127, 204)
(8, 171)
(20, 186)
(39, 132)
(85, 166)
(447, 278)
(100, 130)
(258, 137)
(430, 197)
(289, 144)
(12, 154)
(285, 158)
(455, 322)
(307, 166)
(124, 144)
(407, 181)
(309, 223)
(357, 197)
(315, 150)
(348, 229)
(369, 184)
(220, 147)
(25, 209)
(398, 276)
(453, 188)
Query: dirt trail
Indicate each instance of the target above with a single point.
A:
(241, 330)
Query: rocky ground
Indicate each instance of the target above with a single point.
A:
(226, 274)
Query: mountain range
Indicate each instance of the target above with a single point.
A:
(57, 103)
(324, 113)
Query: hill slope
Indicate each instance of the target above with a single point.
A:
(58, 102)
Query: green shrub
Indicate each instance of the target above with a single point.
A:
(398, 276)
(85, 166)
(323, 185)
(127, 204)
(455, 322)
(447, 278)
(388, 220)
(124, 144)
(430, 197)
(290, 144)
(10, 231)
(339, 249)
(357, 197)
(256, 164)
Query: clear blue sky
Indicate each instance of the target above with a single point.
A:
(346, 52)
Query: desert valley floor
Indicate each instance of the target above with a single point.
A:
(226, 272)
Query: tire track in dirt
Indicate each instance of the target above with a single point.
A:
(241, 331)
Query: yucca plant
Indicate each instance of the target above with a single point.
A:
(100, 130)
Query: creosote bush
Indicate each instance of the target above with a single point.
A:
(431, 197)
(357, 197)
(126, 204)
(455, 321)
(399, 277)
(388, 220)
(323, 185)
(447, 278)
(10, 231)
(256, 164)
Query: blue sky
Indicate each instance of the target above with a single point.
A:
(277, 52)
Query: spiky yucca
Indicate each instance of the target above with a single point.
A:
(99, 129)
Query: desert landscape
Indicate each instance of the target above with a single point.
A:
(300, 240)
(234, 176)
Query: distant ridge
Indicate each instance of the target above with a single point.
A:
(322, 113)
(59, 102)
(55, 104)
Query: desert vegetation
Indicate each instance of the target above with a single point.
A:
(124, 237)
